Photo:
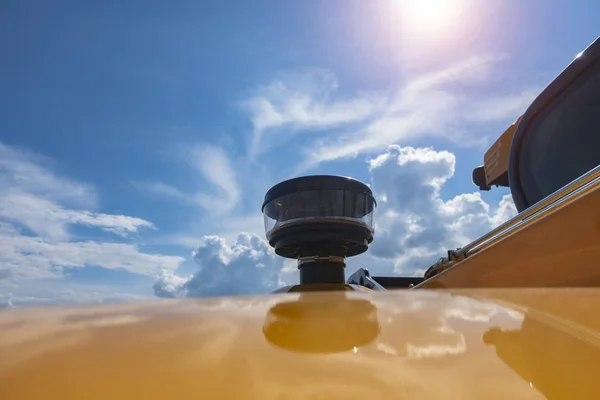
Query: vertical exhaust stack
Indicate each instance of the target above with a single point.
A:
(319, 220)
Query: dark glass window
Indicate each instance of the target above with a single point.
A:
(563, 142)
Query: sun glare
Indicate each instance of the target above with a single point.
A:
(428, 15)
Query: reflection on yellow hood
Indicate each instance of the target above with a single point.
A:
(505, 344)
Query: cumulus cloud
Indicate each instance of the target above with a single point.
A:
(438, 103)
(414, 226)
(247, 266)
(37, 207)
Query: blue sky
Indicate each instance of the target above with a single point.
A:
(138, 138)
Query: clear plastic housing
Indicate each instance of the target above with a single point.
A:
(344, 205)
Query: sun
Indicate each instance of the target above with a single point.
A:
(428, 15)
(431, 12)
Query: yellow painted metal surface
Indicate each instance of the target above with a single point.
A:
(421, 344)
(495, 160)
(560, 248)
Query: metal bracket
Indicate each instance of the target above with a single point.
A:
(363, 277)
(454, 256)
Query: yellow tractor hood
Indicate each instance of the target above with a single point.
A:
(418, 344)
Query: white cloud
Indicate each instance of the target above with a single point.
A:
(414, 226)
(498, 108)
(214, 165)
(29, 172)
(43, 293)
(506, 210)
(30, 196)
(216, 169)
(303, 101)
(435, 104)
(247, 266)
(50, 220)
(164, 190)
(428, 107)
(35, 257)
(36, 209)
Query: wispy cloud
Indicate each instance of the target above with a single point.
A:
(36, 210)
(30, 173)
(164, 190)
(50, 220)
(32, 196)
(435, 105)
(214, 165)
(303, 101)
(34, 257)
(215, 168)
(499, 107)
(446, 103)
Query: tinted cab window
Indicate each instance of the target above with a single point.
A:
(563, 142)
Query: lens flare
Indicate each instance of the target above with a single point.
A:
(433, 16)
